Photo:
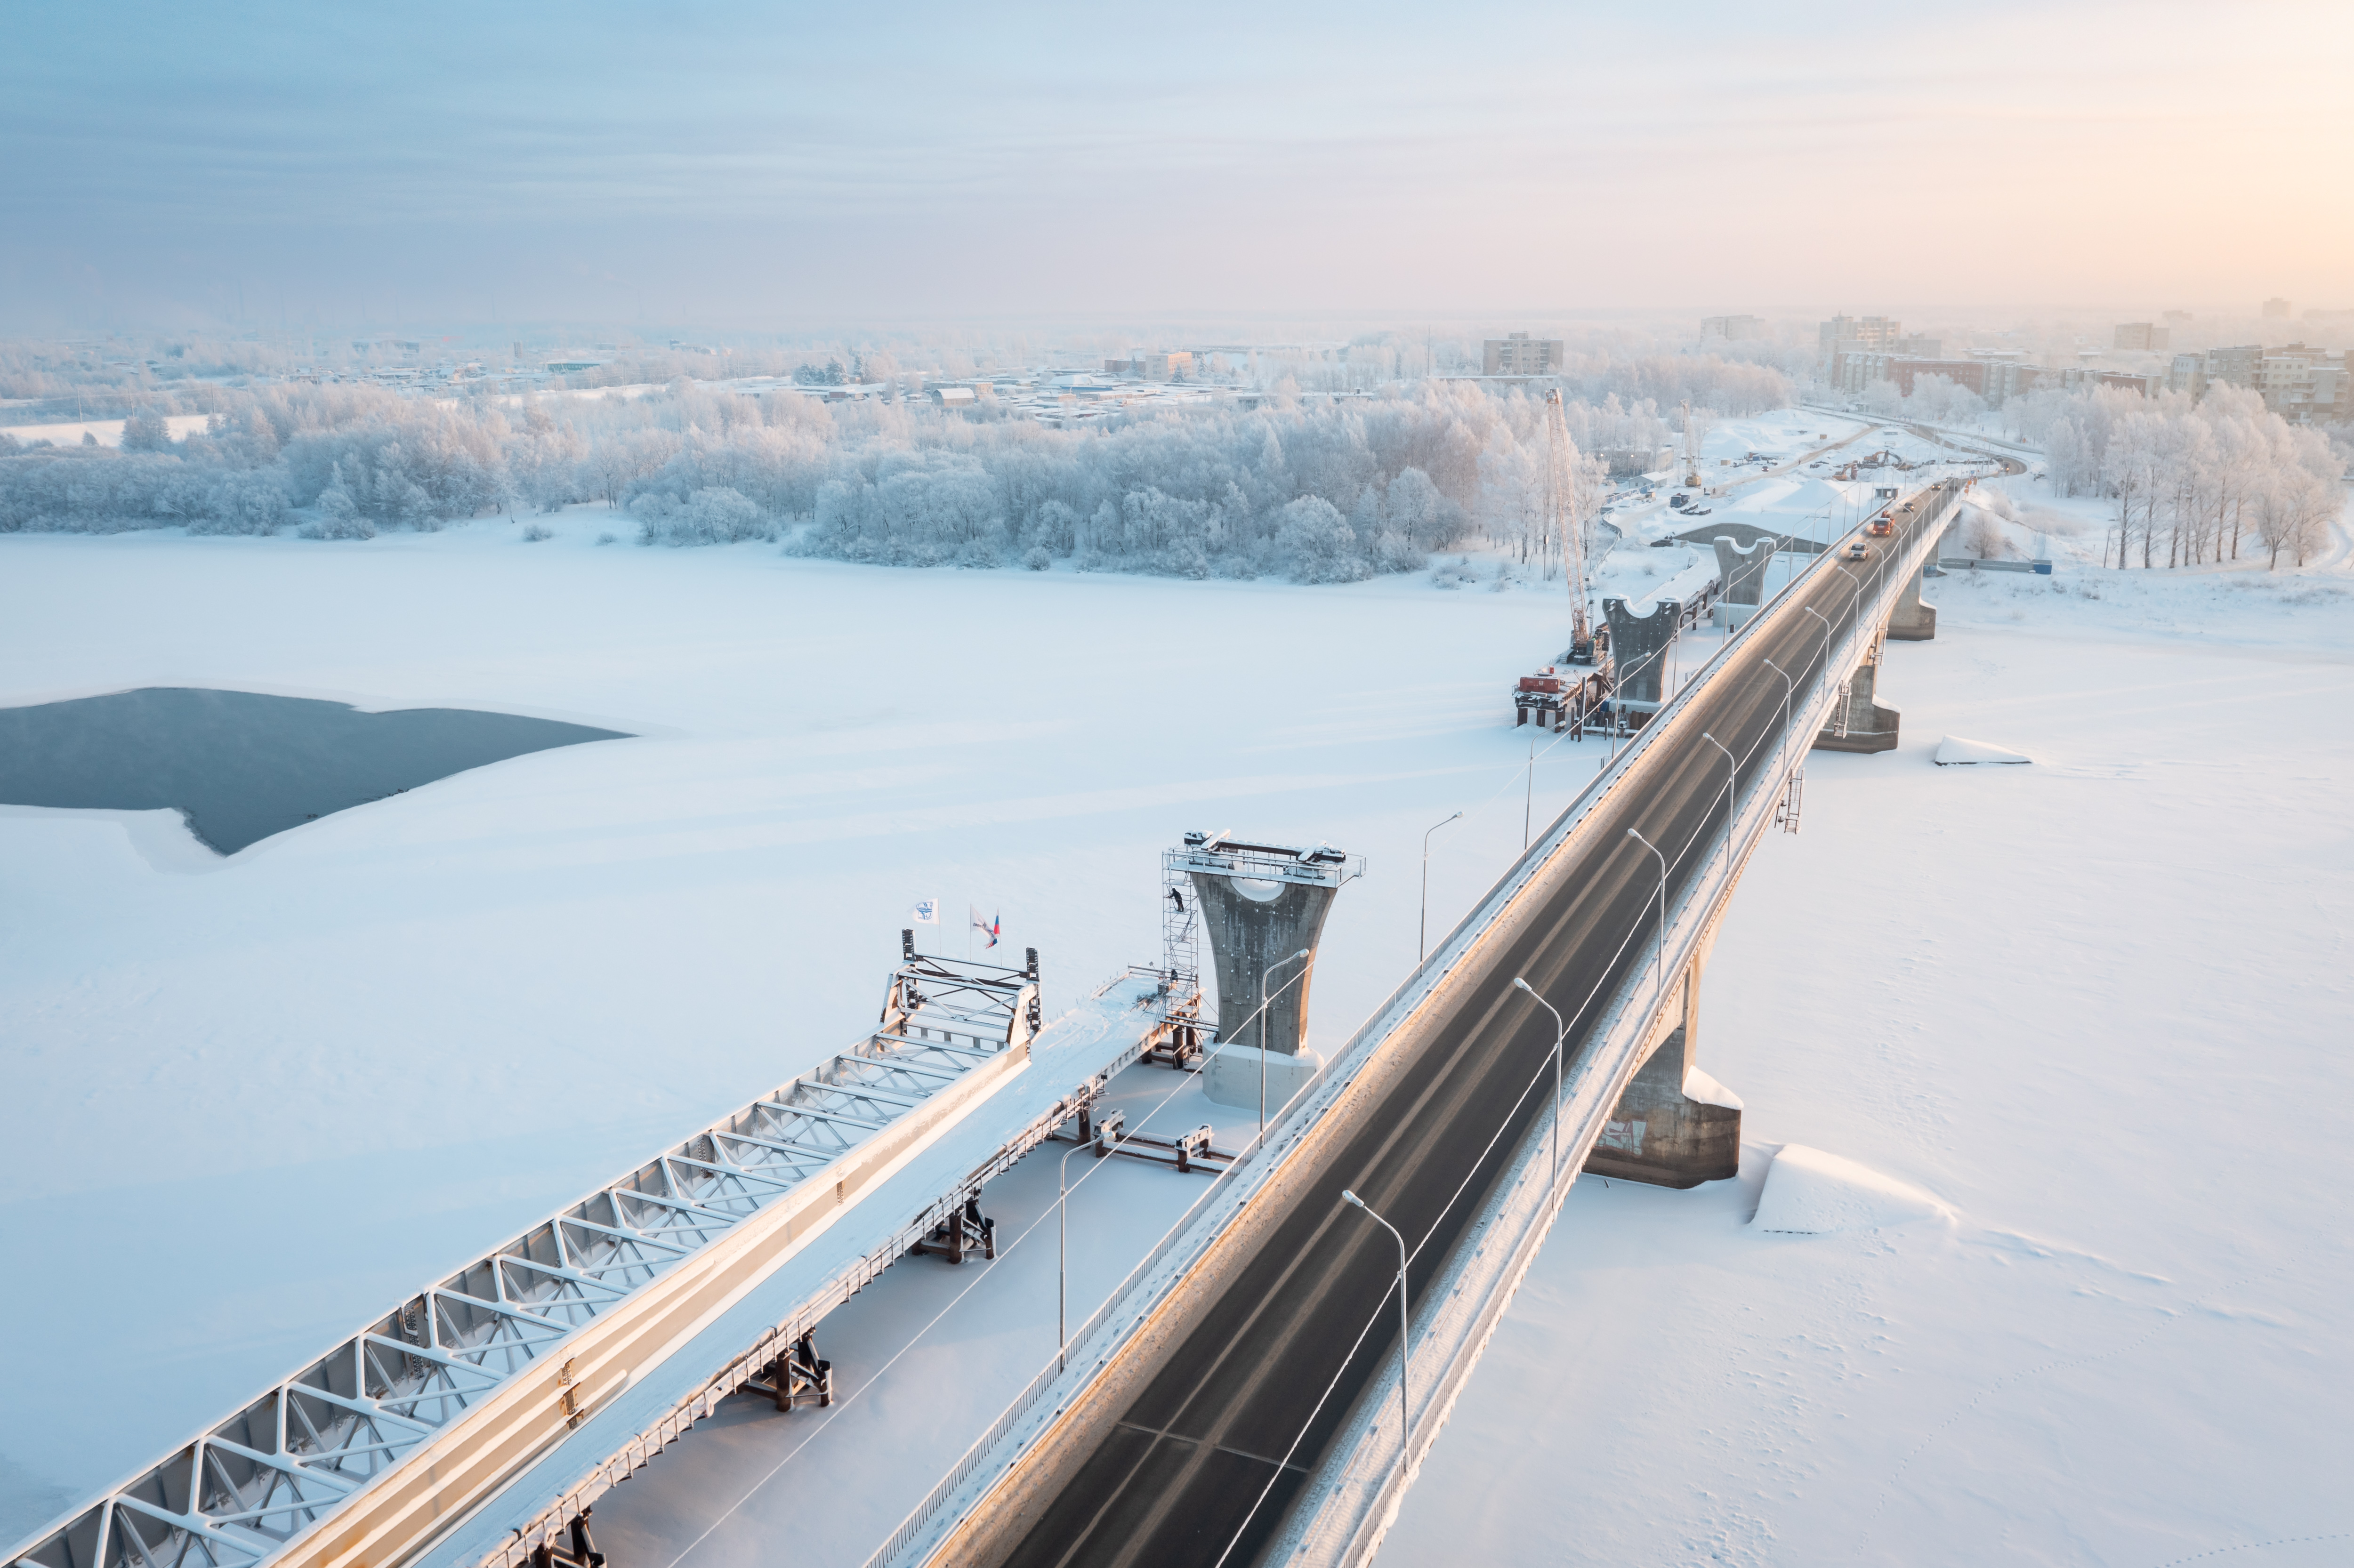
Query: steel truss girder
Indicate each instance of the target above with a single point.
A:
(236, 1495)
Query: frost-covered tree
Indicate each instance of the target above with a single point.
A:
(146, 432)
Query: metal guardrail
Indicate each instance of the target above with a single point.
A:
(674, 1424)
(468, 1368)
(1372, 1442)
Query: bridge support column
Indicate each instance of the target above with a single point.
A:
(1912, 620)
(1661, 1135)
(1261, 905)
(1858, 723)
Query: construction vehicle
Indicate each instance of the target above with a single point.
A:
(1559, 699)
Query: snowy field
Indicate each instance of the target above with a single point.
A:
(2092, 1006)
(2097, 1006)
(105, 432)
(270, 1096)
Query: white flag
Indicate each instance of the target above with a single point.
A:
(927, 912)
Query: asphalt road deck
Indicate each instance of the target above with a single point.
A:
(1205, 1466)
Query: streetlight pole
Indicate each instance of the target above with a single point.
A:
(1405, 1365)
(1789, 688)
(1828, 631)
(1732, 785)
(1422, 930)
(1661, 969)
(1559, 1031)
(1262, 1026)
(1529, 801)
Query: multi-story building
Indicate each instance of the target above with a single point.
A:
(2276, 307)
(2325, 395)
(2187, 374)
(1856, 370)
(2141, 337)
(2304, 385)
(2008, 379)
(1733, 329)
(1866, 335)
(1918, 345)
(1518, 354)
(2234, 366)
(2178, 318)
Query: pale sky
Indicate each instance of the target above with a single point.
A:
(768, 166)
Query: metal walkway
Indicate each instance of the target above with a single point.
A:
(400, 1434)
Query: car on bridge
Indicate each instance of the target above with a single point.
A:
(1859, 551)
(1880, 526)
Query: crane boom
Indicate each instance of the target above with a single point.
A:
(1566, 502)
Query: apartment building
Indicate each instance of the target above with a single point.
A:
(1518, 354)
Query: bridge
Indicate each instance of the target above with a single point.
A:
(504, 1400)
(1239, 1401)
(1249, 1402)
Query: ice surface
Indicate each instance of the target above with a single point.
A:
(1955, 748)
(300, 1086)
(370, 1048)
(2127, 1348)
(1812, 1194)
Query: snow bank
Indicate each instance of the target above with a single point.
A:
(1811, 1193)
(1685, 583)
(1700, 1087)
(1954, 750)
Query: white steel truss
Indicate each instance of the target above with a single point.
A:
(237, 1495)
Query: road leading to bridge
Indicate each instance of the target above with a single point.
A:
(1205, 1463)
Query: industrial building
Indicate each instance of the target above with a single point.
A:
(1733, 329)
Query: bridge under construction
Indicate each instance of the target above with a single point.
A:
(1262, 1388)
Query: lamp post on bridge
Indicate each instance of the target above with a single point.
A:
(1422, 930)
(1855, 600)
(1828, 633)
(1659, 970)
(1732, 787)
(1789, 690)
(1263, 999)
(1062, 1199)
(1560, 1031)
(1405, 1365)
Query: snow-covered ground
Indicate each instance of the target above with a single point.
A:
(2089, 1007)
(2095, 1006)
(105, 432)
(253, 1102)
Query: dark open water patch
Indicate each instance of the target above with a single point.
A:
(241, 765)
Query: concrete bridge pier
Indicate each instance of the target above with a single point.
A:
(1912, 620)
(1638, 654)
(1260, 904)
(1858, 723)
(1742, 568)
(1659, 1134)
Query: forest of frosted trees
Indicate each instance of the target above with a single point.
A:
(2190, 481)
(1314, 488)
(1317, 490)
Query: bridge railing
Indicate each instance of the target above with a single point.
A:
(1362, 1492)
(1069, 1377)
